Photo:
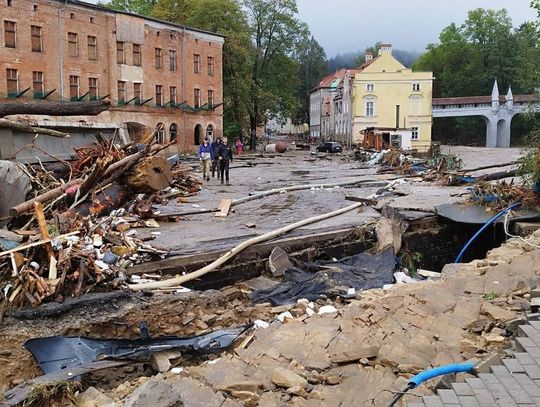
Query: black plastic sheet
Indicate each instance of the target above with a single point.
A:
(57, 353)
(361, 271)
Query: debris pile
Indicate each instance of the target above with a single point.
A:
(74, 233)
(500, 195)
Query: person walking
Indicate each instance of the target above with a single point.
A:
(206, 155)
(215, 161)
(239, 146)
(225, 156)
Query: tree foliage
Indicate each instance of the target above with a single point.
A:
(143, 7)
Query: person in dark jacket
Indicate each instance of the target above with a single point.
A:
(215, 161)
(206, 156)
(225, 156)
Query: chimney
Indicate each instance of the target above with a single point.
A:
(385, 49)
(369, 56)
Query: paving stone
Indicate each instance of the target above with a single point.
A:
(500, 371)
(513, 366)
(468, 401)
(510, 383)
(485, 398)
(506, 402)
(535, 325)
(448, 396)
(527, 330)
(475, 383)
(533, 371)
(416, 404)
(520, 396)
(462, 389)
(524, 358)
(433, 401)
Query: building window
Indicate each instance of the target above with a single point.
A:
(10, 34)
(159, 58)
(74, 86)
(211, 66)
(121, 92)
(416, 87)
(35, 7)
(93, 88)
(120, 53)
(92, 20)
(172, 91)
(92, 48)
(73, 45)
(137, 55)
(370, 87)
(9, 3)
(160, 133)
(197, 98)
(159, 95)
(37, 84)
(36, 33)
(196, 63)
(12, 82)
(173, 131)
(210, 98)
(172, 60)
(370, 108)
(414, 133)
(137, 92)
(210, 132)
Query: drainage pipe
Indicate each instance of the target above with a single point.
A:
(432, 373)
(488, 223)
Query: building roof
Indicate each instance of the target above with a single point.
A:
(157, 20)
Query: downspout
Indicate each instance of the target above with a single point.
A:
(60, 53)
(182, 84)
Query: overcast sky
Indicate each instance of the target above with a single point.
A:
(352, 25)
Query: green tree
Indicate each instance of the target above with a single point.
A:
(176, 11)
(275, 33)
(143, 7)
(374, 49)
(312, 67)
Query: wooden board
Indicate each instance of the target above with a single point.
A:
(224, 208)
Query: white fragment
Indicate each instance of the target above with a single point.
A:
(34, 265)
(284, 315)
(131, 232)
(351, 291)
(388, 286)
(310, 312)
(196, 206)
(327, 309)
(311, 305)
(98, 240)
(213, 362)
(182, 290)
(101, 265)
(402, 278)
(177, 370)
(155, 233)
(261, 324)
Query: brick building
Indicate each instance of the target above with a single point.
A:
(156, 73)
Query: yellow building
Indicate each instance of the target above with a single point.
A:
(388, 95)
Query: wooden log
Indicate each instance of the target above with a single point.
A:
(239, 248)
(31, 129)
(497, 175)
(29, 245)
(151, 174)
(10, 107)
(43, 198)
(112, 197)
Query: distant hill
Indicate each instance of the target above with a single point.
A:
(353, 59)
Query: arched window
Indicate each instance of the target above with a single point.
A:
(173, 131)
(197, 135)
(160, 133)
(210, 132)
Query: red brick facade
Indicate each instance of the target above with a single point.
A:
(144, 66)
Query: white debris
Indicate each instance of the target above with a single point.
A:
(196, 206)
(402, 278)
(98, 240)
(155, 233)
(177, 370)
(34, 265)
(327, 309)
(351, 291)
(284, 315)
(310, 312)
(388, 286)
(182, 290)
(261, 324)
(213, 362)
(101, 265)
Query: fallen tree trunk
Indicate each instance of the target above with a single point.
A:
(43, 198)
(31, 129)
(237, 249)
(487, 167)
(92, 108)
(497, 175)
(150, 174)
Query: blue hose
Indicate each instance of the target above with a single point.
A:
(488, 223)
(440, 371)
(430, 374)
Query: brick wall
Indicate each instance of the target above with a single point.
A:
(67, 27)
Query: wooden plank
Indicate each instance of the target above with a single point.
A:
(171, 265)
(224, 207)
(43, 230)
(367, 201)
(28, 246)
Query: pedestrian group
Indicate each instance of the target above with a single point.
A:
(217, 157)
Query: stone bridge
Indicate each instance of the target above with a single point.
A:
(497, 111)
